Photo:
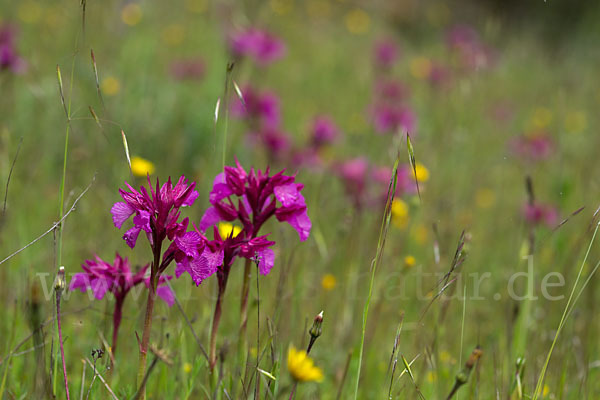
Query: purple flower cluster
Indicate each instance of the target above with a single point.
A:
(366, 184)
(254, 197)
(262, 113)
(9, 58)
(156, 213)
(472, 53)
(533, 147)
(385, 53)
(261, 46)
(537, 214)
(117, 278)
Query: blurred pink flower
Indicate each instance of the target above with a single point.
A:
(260, 109)
(190, 69)
(385, 53)
(389, 90)
(257, 44)
(354, 177)
(390, 119)
(9, 58)
(537, 214)
(324, 131)
(473, 53)
(534, 147)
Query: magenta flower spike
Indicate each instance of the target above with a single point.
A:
(254, 197)
(261, 46)
(156, 213)
(385, 53)
(117, 278)
(9, 58)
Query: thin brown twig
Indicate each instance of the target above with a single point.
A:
(10, 174)
(54, 226)
(97, 374)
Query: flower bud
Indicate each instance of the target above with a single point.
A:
(315, 330)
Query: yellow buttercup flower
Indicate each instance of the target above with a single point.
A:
(357, 21)
(141, 167)
(399, 213)
(110, 86)
(173, 34)
(541, 118)
(419, 233)
(485, 198)
(30, 12)
(228, 230)
(131, 14)
(328, 282)
(409, 261)
(302, 367)
(421, 172)
(420, 67)
(187, 368)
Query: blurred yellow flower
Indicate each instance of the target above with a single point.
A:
(141, 167)
(421, 172)
(545, 390)
(357, 21)
(409, 261)
(318, 8)
(173, 34)
(485, 198)
(420, 67)
(131, 14)
(419, 233)
(196, 6)
(302, 367)
(110, 86)
(30, 12)
(282, 7)
(187, 367)
(541, 118)
(328, 282)
(431, 376)
(575, 121)
(227, 229)
(446, 357)
(400, 213)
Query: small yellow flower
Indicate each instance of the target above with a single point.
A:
(282, 7)
(541, 118)
(357, 21)
(328, 282)
(196, 6)
(302, 367)
(421, 172)
(400, 213)
(575, 121)
(141, 167)
(187, 367)
(420, 67)
(485, 198)
(173, 35)
(409, 261)
(227, 230)
(30, 12)
(431, 376)
(446, 357)
(110, 86)
(131, 14)
(419, 233)
(545, 390)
